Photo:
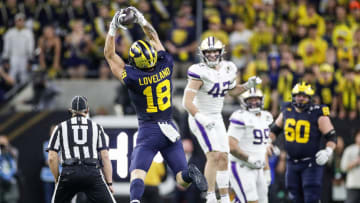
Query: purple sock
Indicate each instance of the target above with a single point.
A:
(136, 189)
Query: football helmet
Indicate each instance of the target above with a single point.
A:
(304, 89)
(142, 55)
(252, 106)
(211, 44)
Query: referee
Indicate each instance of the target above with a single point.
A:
(79, 140)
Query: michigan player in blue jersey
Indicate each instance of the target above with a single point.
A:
(304, 123)
(148, 79)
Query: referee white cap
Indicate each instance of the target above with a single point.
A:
(79, 103)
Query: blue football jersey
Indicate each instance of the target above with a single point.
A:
(151, 91)
(301, 130)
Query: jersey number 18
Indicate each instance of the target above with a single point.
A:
(162, 94)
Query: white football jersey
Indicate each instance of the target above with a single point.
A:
(252, 131)
(216, 83)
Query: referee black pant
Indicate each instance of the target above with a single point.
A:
(82, 178)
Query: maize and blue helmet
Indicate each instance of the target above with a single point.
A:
(142, 55)
(211, 44)
(304, 89)
(253, 93)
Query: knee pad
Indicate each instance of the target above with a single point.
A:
(222, 179)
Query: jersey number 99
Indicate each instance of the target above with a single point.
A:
(293, 128)
(163, 95)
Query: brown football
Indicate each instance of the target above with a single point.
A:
(129, 18)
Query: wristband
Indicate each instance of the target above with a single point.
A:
(112, 31)
(109, 184)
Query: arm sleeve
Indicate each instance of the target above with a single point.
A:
(103, 142)
(54, 142)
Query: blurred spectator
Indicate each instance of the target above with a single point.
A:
(325, 88)
(354, 17)
(262, 36)
(267, 12)
(334, 178)
(350, 164)
(78, 51)
(6, 81)
(239, 44)
(9, 192)
(104, 71)
(216, 31)
(30, 9)
(244, 10)
(285, 84)
(8, 11)
(313, 48)
(80, 10)
(309, 16)
(53, 13)
(50, 52)
(45, 175)
(283, 35)
(259, 64)
(101, 24)
(18, 48)
(44, 92)
(181, 43)
(348, 99)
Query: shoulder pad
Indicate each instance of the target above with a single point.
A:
(195, 71)
(238, 117)
(268, 116)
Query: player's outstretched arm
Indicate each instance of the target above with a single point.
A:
(53, 160)
(148, 29)
(240, 88)
(116, 64)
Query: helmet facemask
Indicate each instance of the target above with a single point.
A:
(305, 90)
(211, 51)
(252, 100)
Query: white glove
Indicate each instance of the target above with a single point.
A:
(203, 120)
(252, 82)
(115, 24)
(267, 176)
(254, 163)
(323, 156)
(139, 16)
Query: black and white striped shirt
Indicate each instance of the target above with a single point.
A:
(79, 138)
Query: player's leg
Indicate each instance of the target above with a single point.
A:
(311, 181)
(243, 182)
(141, 159)
(293, 182)
(262, 187)
(175, 157)
(222, 174)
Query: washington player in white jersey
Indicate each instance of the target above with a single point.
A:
(208, 83)
(248, 139)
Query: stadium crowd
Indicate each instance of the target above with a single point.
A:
(281, 41)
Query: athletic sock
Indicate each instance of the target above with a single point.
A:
(136, 189)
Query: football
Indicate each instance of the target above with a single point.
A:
(129, 18)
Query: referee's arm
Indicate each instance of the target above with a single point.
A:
(53, 148)
(54, 164)
(103, 146)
